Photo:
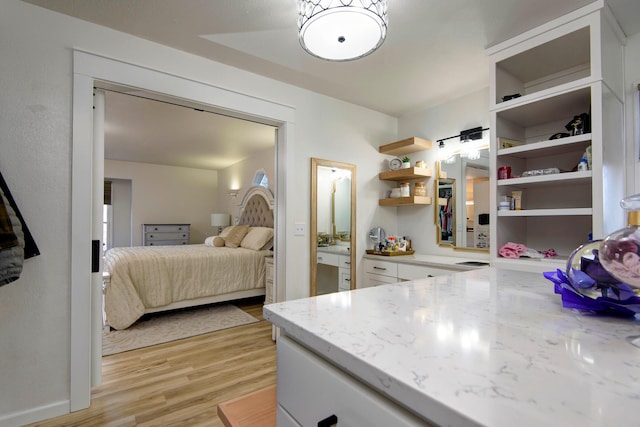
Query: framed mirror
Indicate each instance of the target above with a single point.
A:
(462, 221)
(332, 227)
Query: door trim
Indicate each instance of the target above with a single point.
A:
(93, 70)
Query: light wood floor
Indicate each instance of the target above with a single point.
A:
(181, 383)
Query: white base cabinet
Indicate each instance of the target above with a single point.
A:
(378, 272)
(312, 392)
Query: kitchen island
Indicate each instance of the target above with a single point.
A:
(488, 347)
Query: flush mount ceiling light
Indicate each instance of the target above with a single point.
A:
(341, 30)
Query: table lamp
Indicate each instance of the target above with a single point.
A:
(219, 220)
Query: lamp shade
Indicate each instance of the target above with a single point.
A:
(342, 30)
(219, 219)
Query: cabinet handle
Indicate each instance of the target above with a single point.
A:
(320, 258)
(347, 262)
(330, 421)
(379, 268)
(347, 280)
(430, 275)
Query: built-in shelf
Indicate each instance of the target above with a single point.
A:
(407, 173)
(547, 212)
(406, 201)
(568, 178)
(406, 146)
(547, 148)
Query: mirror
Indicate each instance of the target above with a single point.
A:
(332, 226)
(462, 208)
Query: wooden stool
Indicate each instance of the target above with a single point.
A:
(254, 409)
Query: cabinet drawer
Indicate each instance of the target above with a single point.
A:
(165, 228)
(371, 279)
(345, 279)
(283, 419)
(166, 236)
(345, 261)
(328, 259)
(414, 272)
(385, 268)
(310, 390)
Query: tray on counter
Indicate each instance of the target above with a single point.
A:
(385, 253)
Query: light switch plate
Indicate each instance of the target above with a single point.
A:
(299, 229)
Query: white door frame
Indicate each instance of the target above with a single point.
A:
(89, 70)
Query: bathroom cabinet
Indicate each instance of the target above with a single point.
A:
(567, 67)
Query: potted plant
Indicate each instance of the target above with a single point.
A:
(406, 162)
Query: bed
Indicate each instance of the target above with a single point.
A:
(148, 279)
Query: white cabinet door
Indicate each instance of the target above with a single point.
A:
(311, 390)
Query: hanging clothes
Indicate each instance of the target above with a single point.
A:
(11, 243)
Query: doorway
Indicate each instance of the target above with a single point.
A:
(93, 71)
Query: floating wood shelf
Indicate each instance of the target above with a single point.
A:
(406, 146)
(407, 173)
(405, 201)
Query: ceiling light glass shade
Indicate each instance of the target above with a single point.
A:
(341, 30)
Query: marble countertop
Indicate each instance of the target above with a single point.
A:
(335, 249)
(450, 263)
(488, 347)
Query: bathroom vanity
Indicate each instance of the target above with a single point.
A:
(379, 270)
(487, 347)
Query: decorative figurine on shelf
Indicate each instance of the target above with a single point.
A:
(579, 125)
(603, 276)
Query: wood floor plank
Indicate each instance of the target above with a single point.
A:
(181, 383)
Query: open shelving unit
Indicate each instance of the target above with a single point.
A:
(401, 148)
(559, 71)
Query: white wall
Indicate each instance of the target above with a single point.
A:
(441, 121)
(632, 117)
(36, 145)
(168, 195)
(239, 176)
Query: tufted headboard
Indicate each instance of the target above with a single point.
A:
(257, 207)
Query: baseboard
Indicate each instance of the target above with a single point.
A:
(35, 414)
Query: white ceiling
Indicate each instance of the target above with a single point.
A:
(434, 51)
(139, 129)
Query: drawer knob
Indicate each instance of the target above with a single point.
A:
(328, 422)
(379, 268)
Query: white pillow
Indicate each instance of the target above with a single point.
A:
(258, 239)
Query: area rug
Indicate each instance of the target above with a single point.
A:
(159, 328)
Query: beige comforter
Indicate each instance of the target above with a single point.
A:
(155, 276)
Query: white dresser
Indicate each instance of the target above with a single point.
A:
(165, 234)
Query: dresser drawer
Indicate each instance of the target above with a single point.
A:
(269, 285)
(385, 268)
(166, 242)
(165, 228)
(152, 236)
(310, 390)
